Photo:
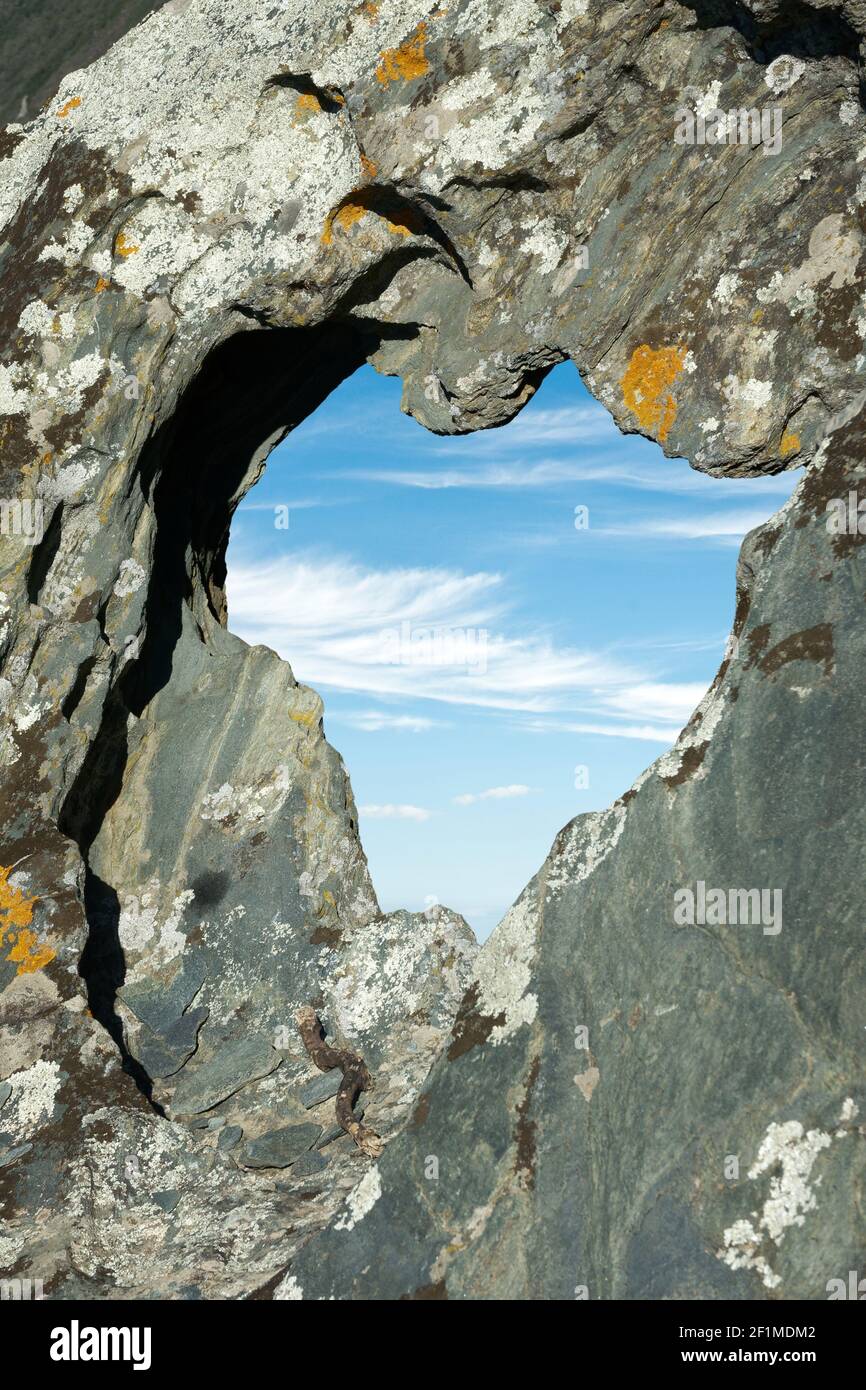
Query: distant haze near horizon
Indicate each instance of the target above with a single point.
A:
(506, 628)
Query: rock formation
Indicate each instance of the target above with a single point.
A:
(203, 233)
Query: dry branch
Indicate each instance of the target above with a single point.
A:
(356, 1078)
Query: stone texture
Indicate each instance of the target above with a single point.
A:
(201, 235)
(597, 1162)
(279, 1147)
(323, 1087)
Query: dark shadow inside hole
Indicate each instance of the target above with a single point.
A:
(103, 968)
(44, 555)
(799, 30)
(250, 391)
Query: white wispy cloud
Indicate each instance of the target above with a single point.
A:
(374, 721)
(492, 794)
(673, 700)
(728, 526)
(391, 812)
(646, 733)
(658, 711)
(523, 474)
(519, 474)
(378, 631)
(543, 429)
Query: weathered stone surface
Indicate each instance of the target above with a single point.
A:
(323, 1087)
(279, 1147)
(599, 1161)
(230, 1136)
(200, 236)
(308, 1165)
(230, 1066)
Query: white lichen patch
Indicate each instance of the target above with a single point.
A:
(834, 253)
(589, 840)
(31, 1104)
(288, 1289)
(783, 72)
(68, 483)
(708, 101)
(360, 1200)
(546, 242)
(569, 11)
(396, 967)
(788, 1152)
(786, 1146)
(503, 970)
(752, 394)
(44, 322)
(70, 250)
(10, 1249)
(14, 397)
(130, 579)
(116, 1225)
(249, 804)
(726, 288)
(140, 929)
(73, 197)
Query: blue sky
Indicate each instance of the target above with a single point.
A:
(492, 662)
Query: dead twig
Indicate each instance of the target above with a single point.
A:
(356, 1078)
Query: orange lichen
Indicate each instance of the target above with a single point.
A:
(344, 217)
(308, 101)
(790, 444)
(401, 221)
(646, 387)
(17, 914)
(371, 10)
(406, 62)
(17, 909)
(29, 955)
(101, 285)
(124, 247)
(370, 169)
(70, 105)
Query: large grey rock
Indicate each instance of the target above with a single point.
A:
(200, 236)
(634, 1108)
